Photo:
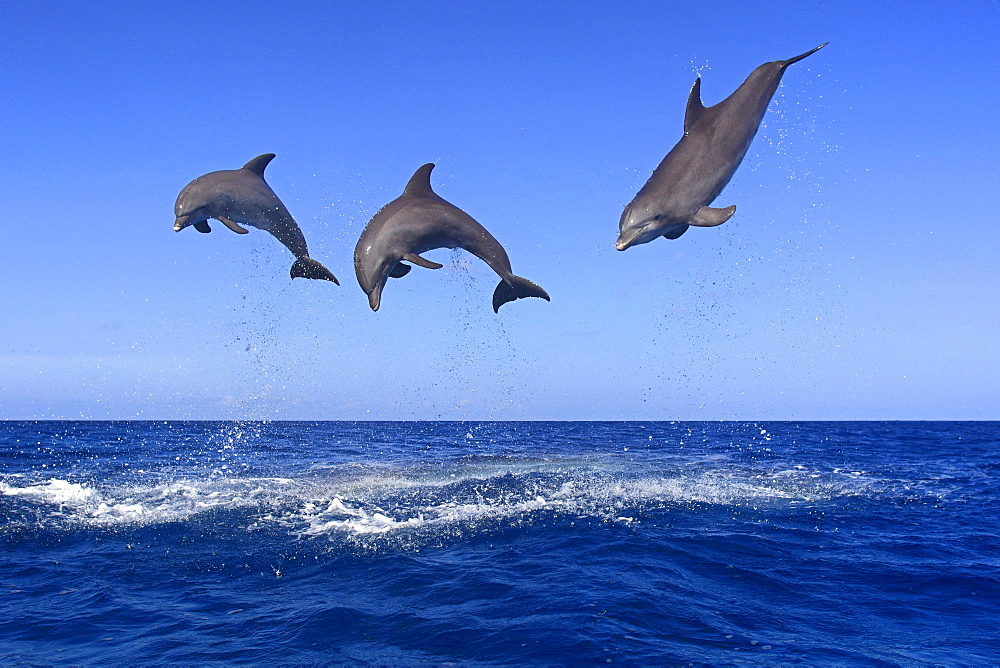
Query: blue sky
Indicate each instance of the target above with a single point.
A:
(857, 280)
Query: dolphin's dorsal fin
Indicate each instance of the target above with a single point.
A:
(706, 216)
(695, 108)
(258, 164)
(420, 182)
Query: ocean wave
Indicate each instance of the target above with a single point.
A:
(367, 500)
(84, 503)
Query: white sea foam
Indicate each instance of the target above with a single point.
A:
(339, 516)
(365, 500)
(592, 494)
(141, 504)
(55, 491)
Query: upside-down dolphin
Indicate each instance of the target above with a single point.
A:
(234, 196)
(696, 170)
(418, 221)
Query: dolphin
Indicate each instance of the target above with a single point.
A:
(234, 196)
(418, 221)
(696, 170)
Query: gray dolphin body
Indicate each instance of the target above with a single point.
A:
(234, 196)
(418, 221)
(696, 170)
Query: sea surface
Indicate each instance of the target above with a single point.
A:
(416, 543)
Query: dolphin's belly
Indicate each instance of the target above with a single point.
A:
(694, 173)
(258, 220)
(433, 241)
(256, 211)
(274, 218)
(453, 228)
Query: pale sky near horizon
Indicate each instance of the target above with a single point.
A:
(858, 278)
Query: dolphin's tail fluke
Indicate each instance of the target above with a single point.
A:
(306, 267)
(516, 287)
(807, 53)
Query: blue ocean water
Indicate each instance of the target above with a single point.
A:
(510, 543)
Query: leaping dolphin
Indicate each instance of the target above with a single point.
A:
(418, 221)
(234, 196)
(696, 170)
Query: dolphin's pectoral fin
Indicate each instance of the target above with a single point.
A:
(676, 232)
(694, 107)
(399, 270)
(233, 226)
(706, 216)
(202, 226)
(516, 287)
(419, 261)
(306, 267)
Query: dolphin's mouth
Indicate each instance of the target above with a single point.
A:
(624, 242)
(181, 223)
(632, 233)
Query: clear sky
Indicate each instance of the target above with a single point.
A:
(858, 279)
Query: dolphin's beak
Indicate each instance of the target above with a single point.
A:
(374, 297)
(182, 222)
(623, 243)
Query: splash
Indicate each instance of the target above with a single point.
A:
(55, 491)
(464, 498)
